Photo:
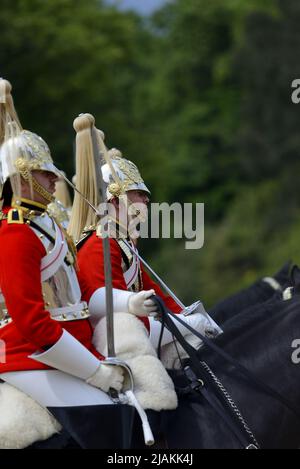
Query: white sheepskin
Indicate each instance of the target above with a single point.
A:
(131, 337)
(22, 420)
(153, 387)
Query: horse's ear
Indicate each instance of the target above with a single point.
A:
(283, 276)
(295, 277)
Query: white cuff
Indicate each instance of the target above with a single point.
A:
(97, 304)
(70, 356)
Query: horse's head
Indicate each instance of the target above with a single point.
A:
(295, 278)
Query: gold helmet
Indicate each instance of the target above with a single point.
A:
(129, 177)
(21, 151)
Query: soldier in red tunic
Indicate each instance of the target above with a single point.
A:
(132, 286)
(153, 387)
(50, 361)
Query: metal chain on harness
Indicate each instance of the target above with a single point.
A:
(232, 405)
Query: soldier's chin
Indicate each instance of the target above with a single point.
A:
(140, 217)
(134, 230)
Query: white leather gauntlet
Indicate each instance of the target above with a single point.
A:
(106, 377)
(140, 303)
(125, 301)
(200, 322)
(70, 356)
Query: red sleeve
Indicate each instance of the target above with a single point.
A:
(91, 266)
(148, 284)
(21, 253)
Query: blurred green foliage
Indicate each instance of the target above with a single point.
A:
(198, 95)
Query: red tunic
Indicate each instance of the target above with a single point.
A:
(91, 272)
(31, 328)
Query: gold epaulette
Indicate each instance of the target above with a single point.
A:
(15, 216)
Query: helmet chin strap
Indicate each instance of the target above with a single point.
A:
(27, 176)
(41, 190)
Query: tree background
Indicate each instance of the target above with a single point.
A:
(198, 95)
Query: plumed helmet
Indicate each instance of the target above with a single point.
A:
(128, 175)
(21, 151)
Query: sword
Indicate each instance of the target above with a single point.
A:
(106, 252)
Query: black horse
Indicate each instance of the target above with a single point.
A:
(261, 340)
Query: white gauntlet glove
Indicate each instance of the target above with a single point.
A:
(140, 304)
(106, 377)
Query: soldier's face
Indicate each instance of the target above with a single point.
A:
(138, 205)
(138, 197)
(46, 179)
(135, 208)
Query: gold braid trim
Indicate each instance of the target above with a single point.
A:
(21, 202)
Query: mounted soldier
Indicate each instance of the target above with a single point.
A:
(50, 361)
(153, 387)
